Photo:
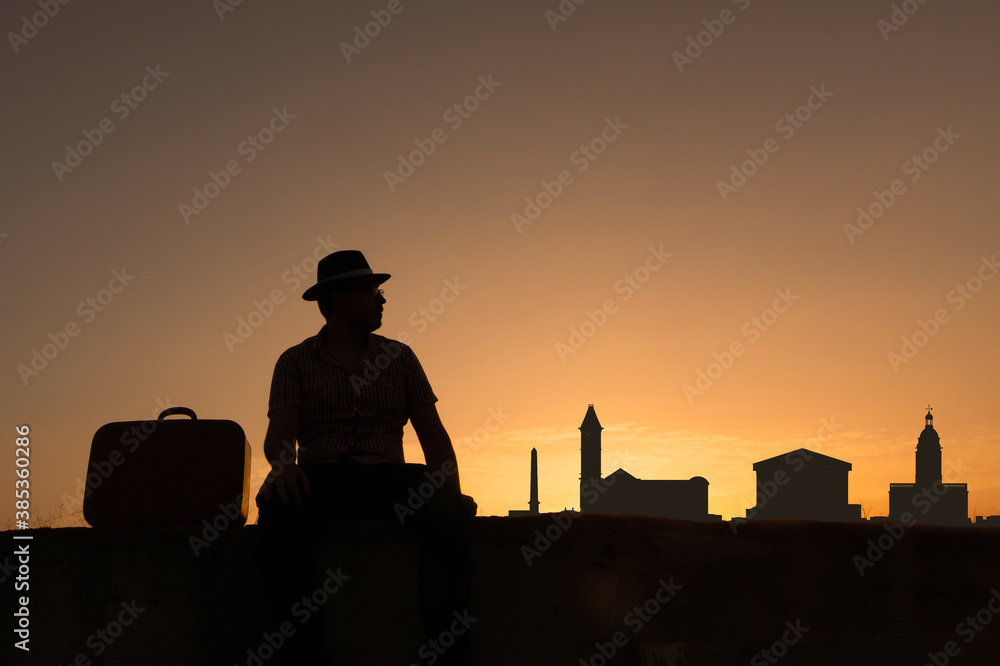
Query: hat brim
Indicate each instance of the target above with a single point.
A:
(317, 290)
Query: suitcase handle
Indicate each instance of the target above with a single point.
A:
(186, 411)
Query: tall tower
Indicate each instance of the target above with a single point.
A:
(533, 502)
(928, 454)
(590, 451)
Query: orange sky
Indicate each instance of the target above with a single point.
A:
(622, 144)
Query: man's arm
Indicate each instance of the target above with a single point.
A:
(286, 478)
(434, 440)
(437, 446)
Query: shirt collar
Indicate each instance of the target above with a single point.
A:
(317, 346)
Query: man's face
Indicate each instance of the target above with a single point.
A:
(361, 307)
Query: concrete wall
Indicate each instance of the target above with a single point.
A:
(741, 588)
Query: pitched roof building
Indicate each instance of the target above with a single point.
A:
(620, 492)
(803, 484)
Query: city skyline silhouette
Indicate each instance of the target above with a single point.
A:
(800, 484)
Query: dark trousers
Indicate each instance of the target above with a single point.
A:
(350, 490)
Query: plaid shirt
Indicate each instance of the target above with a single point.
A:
(345, 414)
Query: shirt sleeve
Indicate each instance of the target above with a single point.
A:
(418, 389)
(286, 384)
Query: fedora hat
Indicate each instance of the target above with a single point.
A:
(339, 266)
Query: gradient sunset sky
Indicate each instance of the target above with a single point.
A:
(633, 129)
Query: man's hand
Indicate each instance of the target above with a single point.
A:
(285, 478)
(288, 482)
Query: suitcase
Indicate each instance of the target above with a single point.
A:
(168, 472)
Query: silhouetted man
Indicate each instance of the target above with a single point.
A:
(344, 395)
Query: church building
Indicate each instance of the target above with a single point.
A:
(620, 492)
(928, 500)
